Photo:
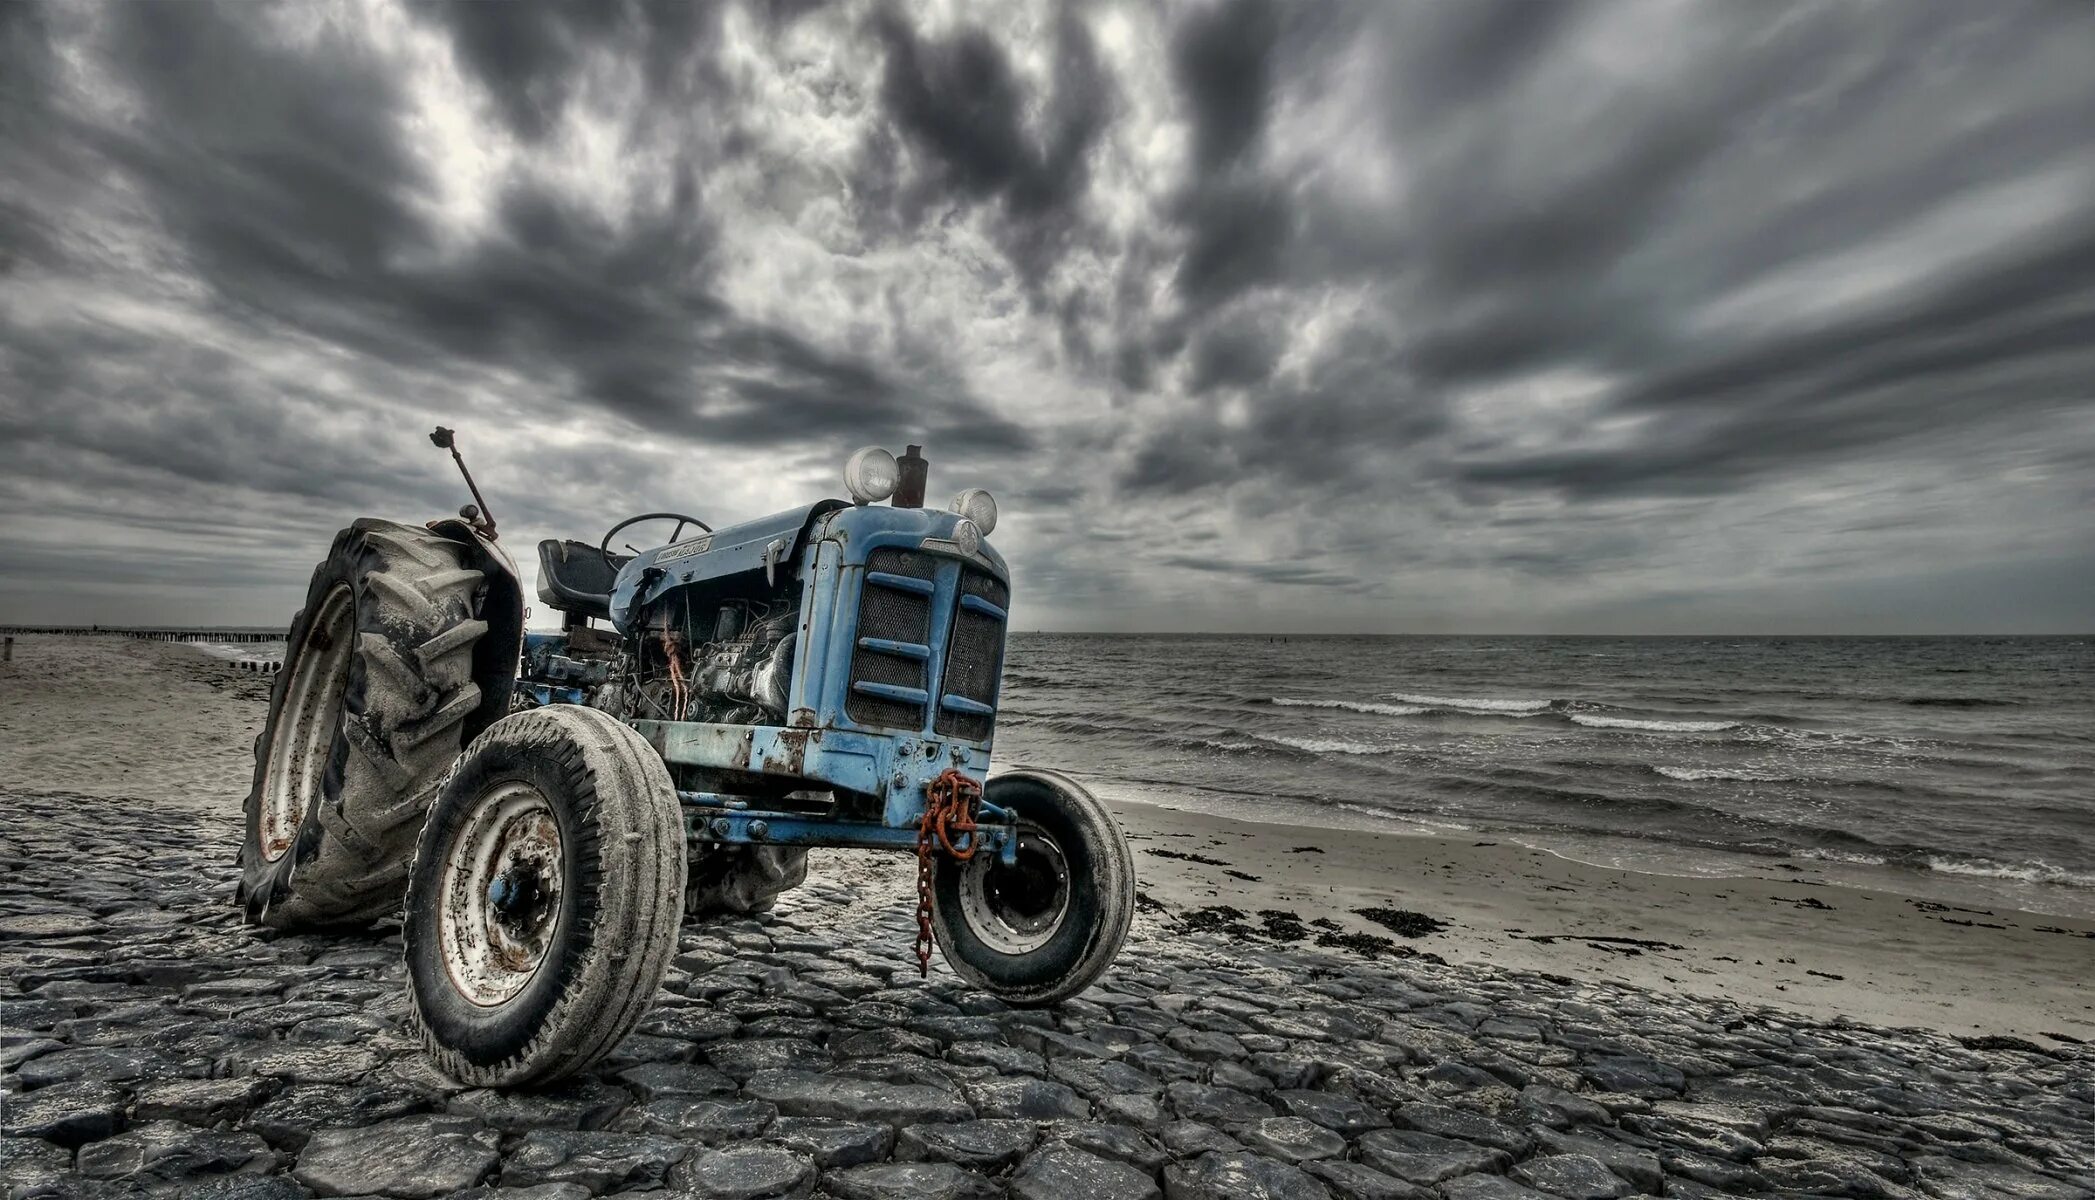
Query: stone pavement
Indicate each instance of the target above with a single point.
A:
(154, 1046)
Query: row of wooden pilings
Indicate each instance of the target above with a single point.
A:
(145, 635)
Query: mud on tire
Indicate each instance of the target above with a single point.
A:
(543, 907)
(372, 705)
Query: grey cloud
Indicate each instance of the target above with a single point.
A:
(1402, 306)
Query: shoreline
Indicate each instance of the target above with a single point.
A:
(1809, 946)
(171, 725)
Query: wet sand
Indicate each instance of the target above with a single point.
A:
(166, 725)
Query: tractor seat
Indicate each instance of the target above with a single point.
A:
(573, 577)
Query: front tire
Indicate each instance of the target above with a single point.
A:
(543, 907)
(375, 697)
(1044, 929)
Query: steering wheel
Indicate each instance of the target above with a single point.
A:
(604, 547)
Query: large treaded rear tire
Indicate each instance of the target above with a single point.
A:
(359, 736)
(572, 809)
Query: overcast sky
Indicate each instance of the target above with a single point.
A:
(1618, 317)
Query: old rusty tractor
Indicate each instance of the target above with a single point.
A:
(545, 808)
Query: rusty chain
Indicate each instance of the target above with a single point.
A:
(949, 810)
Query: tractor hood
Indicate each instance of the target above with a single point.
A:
(737, 550)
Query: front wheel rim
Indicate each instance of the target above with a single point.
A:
(499, 906)
(304, 736)
(1020, 908)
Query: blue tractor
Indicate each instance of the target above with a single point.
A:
(552, 805)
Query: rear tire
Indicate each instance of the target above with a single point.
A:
(1045, 929)
(368, 712)
(543, 907)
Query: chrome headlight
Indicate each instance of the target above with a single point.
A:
(871, 475)
(977, 506)
(968, 538)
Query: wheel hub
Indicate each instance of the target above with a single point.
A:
(1016, 908)
(500, 895)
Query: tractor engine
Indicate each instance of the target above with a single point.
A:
(724, 661)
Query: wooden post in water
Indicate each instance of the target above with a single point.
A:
(7, 653)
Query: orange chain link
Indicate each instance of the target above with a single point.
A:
(949, 810)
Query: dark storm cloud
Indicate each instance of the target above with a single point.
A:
(1381, 305)
(956, 102)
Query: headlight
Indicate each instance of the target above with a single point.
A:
(977, 506)
(870, 475)
(968, 538)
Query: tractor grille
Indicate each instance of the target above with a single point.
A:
(974, 657)
(896, 613)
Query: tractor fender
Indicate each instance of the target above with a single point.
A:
(496, 654)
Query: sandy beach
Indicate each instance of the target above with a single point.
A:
(168, 725)
(1298, 1013)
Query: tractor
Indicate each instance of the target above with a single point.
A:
(543, 809)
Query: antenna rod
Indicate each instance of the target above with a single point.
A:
(444, 439)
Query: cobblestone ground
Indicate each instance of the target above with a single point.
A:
(155, 1046)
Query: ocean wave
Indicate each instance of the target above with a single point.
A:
(1233, 747)
(1823, 854)
(1322, 745)
(1474, 705)
(1386, 710)
(1735, 774)
(2033, 872)
(1596, 721)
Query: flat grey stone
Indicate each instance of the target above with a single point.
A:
(1061, 1171)
(1117, 1142)
(408, 1157)
(1635, 1076)
(802, 1094)
(29, 1163)
(750, 1173)
(1425, 1158)
(1025, 1098)
(1292, 1139)
(1488, 1187)
(173, 1152)
(1240, 1176)
(1215, 1105)
(66, 1113)
(1190, 1139)
(834, 1144)
(255, 1187)
(200, 1101)
(1351, 1181)
(652, 1081)
(600, 1161)
(744, 1057)
(987, 1145)
(289, 1118)
(575, 1104)
(909, 1181)
(1343, 1115)
(1572, 1176)
(104, 1064)
(1464, 1125)
(712, 1122)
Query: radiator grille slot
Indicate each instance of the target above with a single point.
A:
(974, 657)
(896, 615)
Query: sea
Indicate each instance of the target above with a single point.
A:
(1958, 768)
(1947, 767)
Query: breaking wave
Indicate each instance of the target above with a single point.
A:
(1735, 774)
(1468, 704)
(1386, 710)
(1322, 745)
(1596, 721)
